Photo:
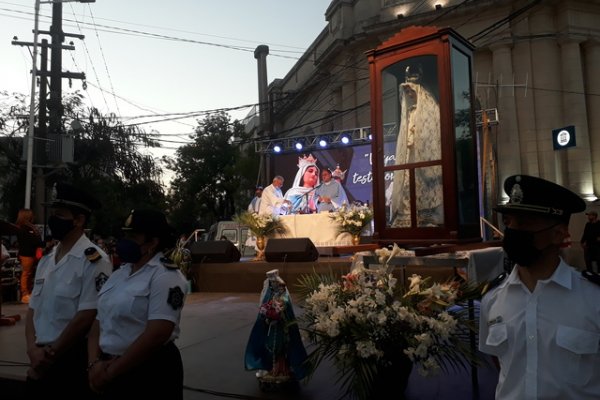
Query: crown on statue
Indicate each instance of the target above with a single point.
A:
(306, 160)
(413, 74)
(338, 173)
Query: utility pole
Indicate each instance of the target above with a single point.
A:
(42, 135)
(54, 105)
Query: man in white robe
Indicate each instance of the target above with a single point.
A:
(330, 194)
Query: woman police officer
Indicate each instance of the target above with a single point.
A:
(131, 346)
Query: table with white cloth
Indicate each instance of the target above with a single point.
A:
(319, 228)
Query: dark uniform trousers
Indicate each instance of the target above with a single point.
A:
(66, 377)
(159, 376)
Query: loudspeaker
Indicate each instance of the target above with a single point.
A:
(214, 251)
(296, 249)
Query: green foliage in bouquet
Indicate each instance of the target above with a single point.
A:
(352, 219)
(364, 322)
(261, 224)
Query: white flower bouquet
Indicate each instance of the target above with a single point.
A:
(364, 323)
(352, 219)
(260, 224)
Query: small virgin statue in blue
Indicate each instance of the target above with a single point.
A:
(275, 349)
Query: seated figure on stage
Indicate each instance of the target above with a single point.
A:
(330, 194)
(302, 194)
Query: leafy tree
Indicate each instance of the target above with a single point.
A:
(212, 175)
(108, 163)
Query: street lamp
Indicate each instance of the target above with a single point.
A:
(30, 133)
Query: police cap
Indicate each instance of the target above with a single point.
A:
(152, 223)
(68, 196)
(532, 195)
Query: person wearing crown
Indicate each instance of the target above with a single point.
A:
(302, 194)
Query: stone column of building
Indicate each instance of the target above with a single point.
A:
(509, 154)
(546, 91)
(524, 99)
(349, 94)
(592, 90)
(575, 113)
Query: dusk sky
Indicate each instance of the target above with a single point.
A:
(159, 57)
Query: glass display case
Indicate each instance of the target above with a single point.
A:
(425, 186)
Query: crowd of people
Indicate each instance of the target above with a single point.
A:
(106, 332)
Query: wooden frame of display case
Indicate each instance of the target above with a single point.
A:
(441, 60)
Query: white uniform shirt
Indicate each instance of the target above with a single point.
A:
(271, 201)
(64, 288)
(547, 341)
(128, 301)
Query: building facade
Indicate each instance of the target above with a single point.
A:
(535, 62)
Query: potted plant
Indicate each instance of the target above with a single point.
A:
(353, 220)
(262, 226)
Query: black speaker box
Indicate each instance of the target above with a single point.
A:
(291, 250)
(214, 251)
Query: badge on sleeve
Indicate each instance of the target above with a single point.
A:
(591, 276)
(92, 254)
(493, 283)
(168, 263)
(175, 299)
(100, 280)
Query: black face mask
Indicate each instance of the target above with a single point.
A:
(520, 247)
(128, 251)
(59, 227)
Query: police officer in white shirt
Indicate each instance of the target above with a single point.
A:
(63, 302)
(542, 321)
(131, 345)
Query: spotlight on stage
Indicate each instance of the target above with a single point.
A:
(322, 142)
(298, 145)
(345, 139)
(277, 148)
(370, 137)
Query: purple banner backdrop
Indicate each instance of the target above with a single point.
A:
(356, 161)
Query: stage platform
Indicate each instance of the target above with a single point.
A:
(247, 276)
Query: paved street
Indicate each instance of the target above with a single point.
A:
(214, 332)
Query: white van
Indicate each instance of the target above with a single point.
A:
(234, 232)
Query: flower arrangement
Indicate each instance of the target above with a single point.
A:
(182, 257)
(367, 326)
(352, 219)
(261, 224)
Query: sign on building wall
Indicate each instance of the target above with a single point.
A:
(563, 138)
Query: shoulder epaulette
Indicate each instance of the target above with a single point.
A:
(493, 283)
(591, 276)
(168, 263)
(92, 254)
